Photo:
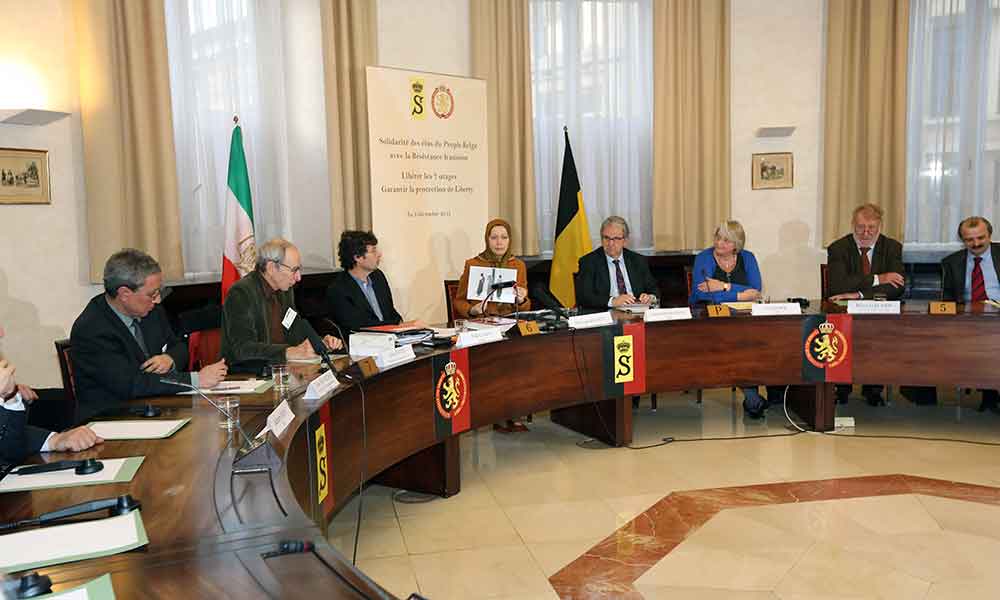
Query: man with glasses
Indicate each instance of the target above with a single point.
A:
(359, 296)
(862, 265)
(613, 276)
(260, 324)
(122, 342)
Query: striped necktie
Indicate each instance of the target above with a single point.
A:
(978, 282)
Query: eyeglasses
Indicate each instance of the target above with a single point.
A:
(866, 228)
(294, 270)
(607, 238)
(153, 295)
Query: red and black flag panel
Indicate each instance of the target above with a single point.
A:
(319, 427)
(452, 393)
(827, 348)
(624, 350)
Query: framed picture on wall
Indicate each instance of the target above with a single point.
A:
(24, 176)
(771, 171)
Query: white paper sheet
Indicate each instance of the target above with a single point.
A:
(16, 483)
(242, 386)
(148, 429)
(73, 541)
(481, 278)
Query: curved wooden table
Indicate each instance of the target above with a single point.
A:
(208, 527)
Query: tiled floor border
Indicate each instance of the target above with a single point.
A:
(609, 569)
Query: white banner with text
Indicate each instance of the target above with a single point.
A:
(429, 176)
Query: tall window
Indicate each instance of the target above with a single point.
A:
(226, 60)
(592, 71)
(953, 117)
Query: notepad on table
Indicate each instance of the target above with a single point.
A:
(58, 544)
(116, 470)
(147, 429)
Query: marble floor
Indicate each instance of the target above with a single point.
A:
(545, 514)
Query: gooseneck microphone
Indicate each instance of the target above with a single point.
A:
(246, 439)
(549, 301)
(503, 284)
(318, 346)
(80, 467)
(115, 507)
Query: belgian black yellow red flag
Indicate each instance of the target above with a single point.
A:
(572, 239)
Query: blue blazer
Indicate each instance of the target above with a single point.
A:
(704, 266)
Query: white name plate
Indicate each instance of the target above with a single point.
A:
(479, 336)
(668, 314)
(600, 319)
(776, 308)
(319, 387)
(280, 418)
(394, 358)
(873, 307)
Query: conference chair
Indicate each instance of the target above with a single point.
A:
(203, 328)
(689, 280)
(69, 385)
(450, 291)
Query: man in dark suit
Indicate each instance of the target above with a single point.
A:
(613, 275)
(861, 265)
(359, 295)
(260, 324)
(122, 343)
(18, 439)
(973, 275)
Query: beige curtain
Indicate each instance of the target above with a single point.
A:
(865, 124)
(349, 45)
(501, 54)
(128, 135)
(691, 147)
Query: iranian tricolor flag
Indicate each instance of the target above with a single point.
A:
(240, 251)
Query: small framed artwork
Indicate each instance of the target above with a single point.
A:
(24, 176)
(771, 171)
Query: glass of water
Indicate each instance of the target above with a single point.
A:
(230, 414)
(279, 375)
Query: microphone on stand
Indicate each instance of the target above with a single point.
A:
(318, 346)
(549, 301)
(503, 284)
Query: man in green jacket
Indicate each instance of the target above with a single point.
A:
(259, 321)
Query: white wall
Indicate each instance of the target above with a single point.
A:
(429, 35)
(777, 74)
(43, 249)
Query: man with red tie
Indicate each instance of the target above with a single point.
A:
(860, 265)
(973, 275)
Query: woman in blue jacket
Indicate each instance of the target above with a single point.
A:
(727, 272)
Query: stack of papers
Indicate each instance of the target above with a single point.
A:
(501, 323)
(409, 338)
(367, 343)
(634, 308)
